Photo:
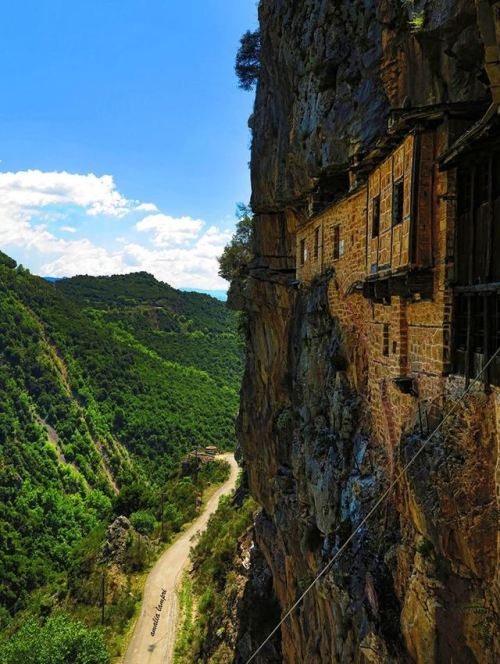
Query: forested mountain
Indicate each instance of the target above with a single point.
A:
(104, 385)
(189, 328)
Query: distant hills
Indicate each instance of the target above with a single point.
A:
(217, 294)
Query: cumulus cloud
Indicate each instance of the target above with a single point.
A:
(147, 207)
(195, 266)
(170, 230)
(179, 250)
(34, 189)
(84, 257)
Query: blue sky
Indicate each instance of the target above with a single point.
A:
(144, 93)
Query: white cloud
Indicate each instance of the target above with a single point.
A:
(170, 230)
(147, 207)
(182, 253)
(34, 189)
(84, 257)
(190, 267)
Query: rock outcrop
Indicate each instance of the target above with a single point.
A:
(332, 72)
(417, 582)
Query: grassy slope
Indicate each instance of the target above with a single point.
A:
(93, 400)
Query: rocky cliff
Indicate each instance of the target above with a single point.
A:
(417, 583)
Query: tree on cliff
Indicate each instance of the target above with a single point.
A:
(248, 60)
(237, 254)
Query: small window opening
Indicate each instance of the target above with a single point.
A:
(338, 244)
(302, 252)
(376, 216)
(385, 340)
(397, 203)
(316, 243)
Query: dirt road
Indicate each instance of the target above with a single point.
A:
(154, 634)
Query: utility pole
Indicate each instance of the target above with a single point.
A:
(196, 465)
(103, 594)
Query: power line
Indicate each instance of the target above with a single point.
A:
(375, 507)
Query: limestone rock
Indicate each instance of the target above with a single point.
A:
(417, 582)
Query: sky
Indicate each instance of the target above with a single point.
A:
(124, 143)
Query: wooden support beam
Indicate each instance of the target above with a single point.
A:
(486, 340)
(468, 342)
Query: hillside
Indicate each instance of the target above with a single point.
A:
(98, 410)
(189, 328)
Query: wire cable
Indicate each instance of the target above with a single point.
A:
(376, 506)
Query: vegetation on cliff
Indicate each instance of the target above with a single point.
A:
(202, 637)
(237, 254)
(247, 65)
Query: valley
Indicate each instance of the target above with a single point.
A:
(103, 397)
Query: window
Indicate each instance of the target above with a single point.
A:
(316, 243)
(397, 202)
(385, 340)
(338, 244)
(476, 332)
(376, 216)
(302, 252)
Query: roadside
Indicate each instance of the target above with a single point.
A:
(153, 636)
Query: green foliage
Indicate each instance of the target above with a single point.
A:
(134, 496)
(138, 554)
(143, 522)
(7, 261)
(416, 20)
(247, 65)
(102, 388)
(233, 264)
(425, 547)
(214, 552)
(212, 559)
(59, 641)
(215, 472)
(185, 634)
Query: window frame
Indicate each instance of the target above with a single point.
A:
(338, 243)
(316, 242)
(398, 200)
(376, 206)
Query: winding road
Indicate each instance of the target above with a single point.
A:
(154, 634)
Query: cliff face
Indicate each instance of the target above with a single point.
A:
(332, 71)
(417, 582)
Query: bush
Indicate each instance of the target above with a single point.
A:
(59, 641)
(237, 254)
(143, 522)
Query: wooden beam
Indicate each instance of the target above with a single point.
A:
(486, 341)
(414, 209)
(472, 224)
(489, 232)
(468, 352)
